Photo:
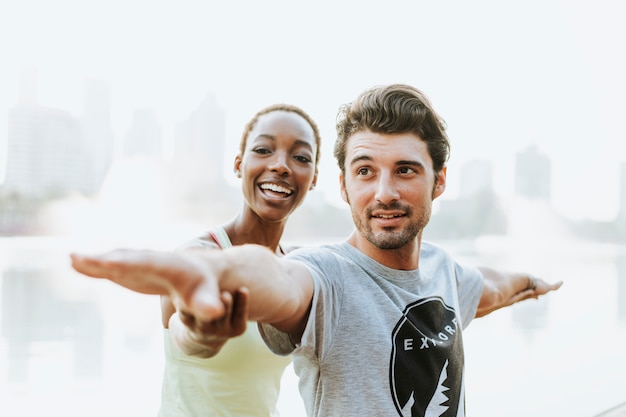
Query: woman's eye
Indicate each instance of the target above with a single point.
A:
(261, 151)
(302, 158)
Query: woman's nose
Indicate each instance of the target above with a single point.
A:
(279, 164)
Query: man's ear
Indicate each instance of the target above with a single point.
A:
(440, 184)
(342, 188)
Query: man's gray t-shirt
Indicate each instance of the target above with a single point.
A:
(380, 341)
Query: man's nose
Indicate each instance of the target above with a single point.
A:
(386, 189)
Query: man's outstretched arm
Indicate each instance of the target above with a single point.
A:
(501, 289)
(280, 290)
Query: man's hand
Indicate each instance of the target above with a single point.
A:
(205, 339)
(502, 289)
(539, 287)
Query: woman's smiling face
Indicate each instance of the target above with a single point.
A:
(278, 164)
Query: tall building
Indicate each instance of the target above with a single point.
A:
(199, 143)
(533, 174)
(145, 137)
(96, 124)
(46, 154)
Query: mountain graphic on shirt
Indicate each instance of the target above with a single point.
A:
(426, 367)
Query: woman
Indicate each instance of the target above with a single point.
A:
(277, 163)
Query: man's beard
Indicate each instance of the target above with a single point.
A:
(389, 240)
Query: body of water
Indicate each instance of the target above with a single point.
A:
(73, 346)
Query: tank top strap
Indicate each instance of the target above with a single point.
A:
(221, 238)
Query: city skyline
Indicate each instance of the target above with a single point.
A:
(503, 77)
(145, 138)
(51, 150)
(141, 190)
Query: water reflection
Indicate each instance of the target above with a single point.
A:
(34, 313)
(73, 346)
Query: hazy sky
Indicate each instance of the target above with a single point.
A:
(502, 74)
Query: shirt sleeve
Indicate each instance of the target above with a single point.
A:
(470, 288)
(278, 342)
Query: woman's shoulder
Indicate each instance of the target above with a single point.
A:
(204, 241)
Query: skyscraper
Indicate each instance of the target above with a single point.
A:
(96, 124)
(46, 154)
(533, 174)
(198, 162)
(145, 137)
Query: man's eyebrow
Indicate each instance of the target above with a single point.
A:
(410, 162)
(360, 158)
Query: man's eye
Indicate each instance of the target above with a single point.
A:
(363, 171)
(303, 158)
(406, 170)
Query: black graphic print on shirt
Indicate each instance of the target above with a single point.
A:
(426, 369)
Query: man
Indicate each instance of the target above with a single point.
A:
(376, 321)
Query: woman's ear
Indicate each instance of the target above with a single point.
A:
(314, 182)
(237, 166)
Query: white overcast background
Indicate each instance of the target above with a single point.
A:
(502, 74)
